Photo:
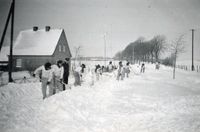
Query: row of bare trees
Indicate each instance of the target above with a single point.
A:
(142, 50)
(150, 51)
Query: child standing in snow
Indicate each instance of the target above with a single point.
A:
(82, 73)
(58, 76)
(110, 67)
(157, 65)
(77, 72)
(142, 68)
(127, 69)
(119, 71)
(46, 78)
(98, 72)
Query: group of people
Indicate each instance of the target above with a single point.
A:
(123, 71)
(54, 76)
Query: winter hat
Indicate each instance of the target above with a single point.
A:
(47, 65)
(59, 62)
(67, 59)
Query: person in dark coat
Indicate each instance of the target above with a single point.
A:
(65, 72)
(142, 68)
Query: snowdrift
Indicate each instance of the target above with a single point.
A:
(152, 101)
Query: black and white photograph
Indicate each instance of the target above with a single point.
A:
(99, 65)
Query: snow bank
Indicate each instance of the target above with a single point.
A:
(152, 101)
(17, 77)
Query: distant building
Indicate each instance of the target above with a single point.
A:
(35, 47)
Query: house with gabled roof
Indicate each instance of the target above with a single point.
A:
(35, 47)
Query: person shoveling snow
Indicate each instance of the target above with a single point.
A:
(46, 78)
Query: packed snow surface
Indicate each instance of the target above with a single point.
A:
(152, 102)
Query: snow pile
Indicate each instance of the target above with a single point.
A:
(152, 101)
(17, 77)
(18, 104)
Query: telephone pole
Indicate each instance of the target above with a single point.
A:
(9, 18)
(11, 42)
(192, 49)
(104, 49)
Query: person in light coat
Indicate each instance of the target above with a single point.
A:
(110, 67)
(46, 78)
(120, 71)
(58, 76)
(77, 75)
(127, 69)
(98, 72)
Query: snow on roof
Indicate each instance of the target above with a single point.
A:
(39, 42)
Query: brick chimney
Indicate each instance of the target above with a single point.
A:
(47, 28)
(35, 28)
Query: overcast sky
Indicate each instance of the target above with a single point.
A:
(123, 21)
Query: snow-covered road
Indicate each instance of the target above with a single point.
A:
(152, 101)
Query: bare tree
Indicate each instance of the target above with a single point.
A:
(151, 51)
(143, 50)
(158, 43)
(176, 48)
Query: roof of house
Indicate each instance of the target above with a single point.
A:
(38, 42)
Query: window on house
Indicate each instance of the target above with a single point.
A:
(64, 48)
(60, 48)
(19, 63)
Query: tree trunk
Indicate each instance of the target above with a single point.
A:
(174, 70)
(152, 58)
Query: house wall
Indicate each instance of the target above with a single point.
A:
(30, 63)
(62, 50)
(61, 54)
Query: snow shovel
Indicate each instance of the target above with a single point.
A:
(66, 85)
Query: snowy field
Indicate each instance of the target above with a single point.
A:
(149, 102)
(188, 62)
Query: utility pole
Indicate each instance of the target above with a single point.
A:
(6, 26)
(10, 16)
(133, 56)
(192, 49)
(104, 49)
(11, 42)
